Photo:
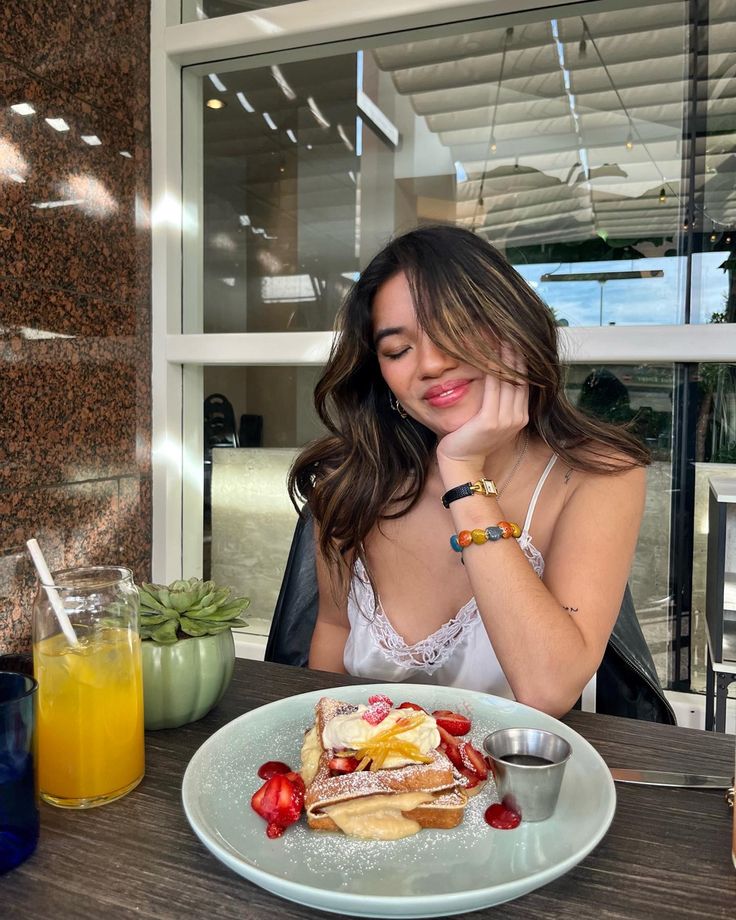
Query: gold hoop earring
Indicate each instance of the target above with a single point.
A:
(396, 405)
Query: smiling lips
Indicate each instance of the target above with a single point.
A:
(447, 394)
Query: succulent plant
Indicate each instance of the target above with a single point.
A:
(187, 608)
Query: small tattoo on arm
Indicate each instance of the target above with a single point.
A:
(568, 474)
(570, 609)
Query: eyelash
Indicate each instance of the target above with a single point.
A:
(396, 356)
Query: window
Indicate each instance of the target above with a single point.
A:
(591, 148)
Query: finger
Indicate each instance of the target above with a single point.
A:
(520, 408)
(491, 396)
(507, 389)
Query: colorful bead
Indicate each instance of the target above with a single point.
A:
(508, 530)
(479, 535)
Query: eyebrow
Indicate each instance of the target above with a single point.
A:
(387, 331)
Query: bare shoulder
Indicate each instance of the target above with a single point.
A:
(620, 482)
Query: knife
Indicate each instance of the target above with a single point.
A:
(665, 778)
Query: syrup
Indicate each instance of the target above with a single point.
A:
(527, 760)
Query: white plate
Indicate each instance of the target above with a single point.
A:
(432, 874)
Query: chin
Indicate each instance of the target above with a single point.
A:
(448, 420)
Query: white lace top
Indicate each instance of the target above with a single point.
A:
(458, 654)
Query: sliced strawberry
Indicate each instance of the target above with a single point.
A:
(296, 778)
(446, 738)
(279, 802)
(452, 752)
(271, 768)
(471, 776)
(376, 712)
(452, 722)
(343, 764)
(407, 705)
(473, 759)
(380, 698)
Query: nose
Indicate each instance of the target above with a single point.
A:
(432, 361)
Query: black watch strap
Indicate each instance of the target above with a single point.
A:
(481, 487)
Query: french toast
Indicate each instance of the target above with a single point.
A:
(387, 802)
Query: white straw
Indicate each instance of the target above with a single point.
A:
(47, 581)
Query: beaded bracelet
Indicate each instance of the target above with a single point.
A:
(501, 531)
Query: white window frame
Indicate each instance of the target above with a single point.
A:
(178, 358)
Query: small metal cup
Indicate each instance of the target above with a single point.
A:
(528, 788)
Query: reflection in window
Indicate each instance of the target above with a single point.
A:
(640, 399)
(563, 142)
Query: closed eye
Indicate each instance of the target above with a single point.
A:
(395, 355)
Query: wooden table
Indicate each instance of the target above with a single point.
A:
(666, 855)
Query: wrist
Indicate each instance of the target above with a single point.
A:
(455, 472)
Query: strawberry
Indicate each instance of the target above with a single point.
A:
(447, 739)
(473, 759)
(271, 768)
(279, 802)
(471, 776)
(452, 752)
(380, 698)
(452, 722)
(377, 711)
(411, 706)
(343, 764)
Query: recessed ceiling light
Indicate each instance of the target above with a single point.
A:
(314, 109)
(91, 139)
(215, 104)
(126, 153)
(58, 124)
(290, 134)
(244, 102)
(217, 82)
(23, 108)
(269, 121)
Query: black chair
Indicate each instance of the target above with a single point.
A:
(627, 683)
(250, 432)
(219, 423)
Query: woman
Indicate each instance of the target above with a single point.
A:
(447, 418)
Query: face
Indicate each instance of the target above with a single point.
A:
(433, 387)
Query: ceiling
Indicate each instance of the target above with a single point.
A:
(562, 130)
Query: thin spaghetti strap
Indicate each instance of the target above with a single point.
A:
(538, 489)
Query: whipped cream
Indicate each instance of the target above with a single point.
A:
(351, 732)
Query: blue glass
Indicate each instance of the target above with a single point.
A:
(19, 818)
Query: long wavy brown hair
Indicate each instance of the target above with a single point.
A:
(372, 463)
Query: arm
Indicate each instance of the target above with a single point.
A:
(549, 653)
(332, 627)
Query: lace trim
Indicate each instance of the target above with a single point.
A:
(536, 560)
(428, 654)
(431, 653)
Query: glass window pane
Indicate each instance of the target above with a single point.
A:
(713, 213)
(715, 455)
(560, 141)
(256, 419)
(640, 397)
(193, 10)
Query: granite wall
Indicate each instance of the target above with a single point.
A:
(75, 279)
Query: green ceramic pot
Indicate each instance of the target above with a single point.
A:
(183, 681)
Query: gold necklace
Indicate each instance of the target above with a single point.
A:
(516, 466)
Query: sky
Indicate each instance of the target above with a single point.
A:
(632, 301)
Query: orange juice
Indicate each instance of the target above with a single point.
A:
(90, 717)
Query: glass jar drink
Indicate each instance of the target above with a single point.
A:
(90, 696)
